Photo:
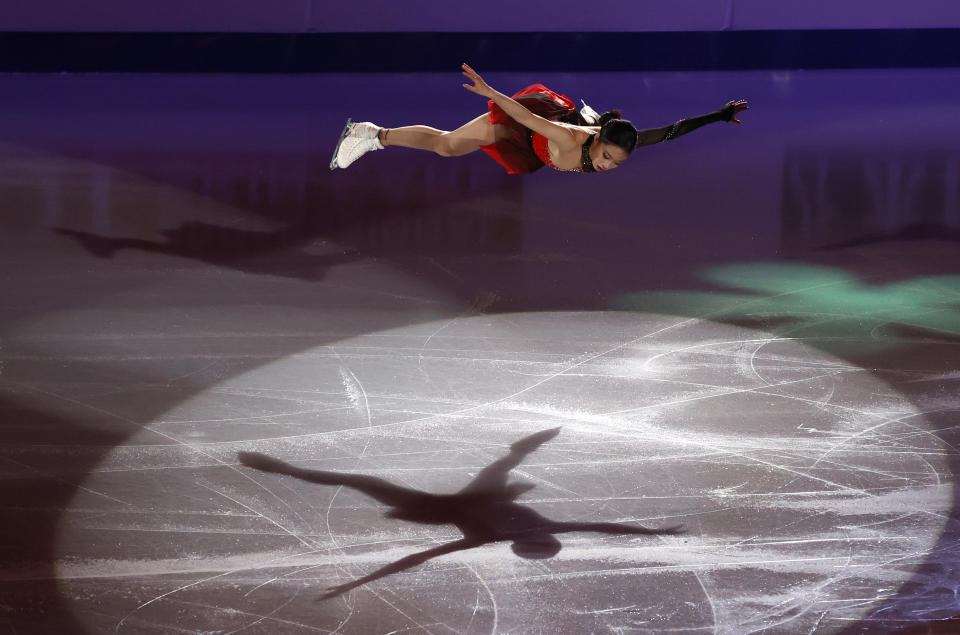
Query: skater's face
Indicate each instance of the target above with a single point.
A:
(606, 156)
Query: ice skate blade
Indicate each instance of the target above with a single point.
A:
(343, 135)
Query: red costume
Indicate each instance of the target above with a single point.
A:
(524, 151)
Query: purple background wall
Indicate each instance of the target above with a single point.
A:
(320, 16)
(822, 158)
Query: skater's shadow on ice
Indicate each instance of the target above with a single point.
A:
(238, 249)
(485, 511)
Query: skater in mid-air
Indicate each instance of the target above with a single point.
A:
(535, 127)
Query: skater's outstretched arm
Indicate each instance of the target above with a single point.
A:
(565, 137)
(729, 112)
(495, 475)
(401, 565)
(619, 529)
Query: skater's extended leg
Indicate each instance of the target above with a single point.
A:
(401, 565)
(376, 488)
(454, 143)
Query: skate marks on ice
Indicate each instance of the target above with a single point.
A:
(809, 489)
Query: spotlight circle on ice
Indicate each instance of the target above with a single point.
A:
(797, 499)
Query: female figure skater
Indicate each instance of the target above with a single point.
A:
(535, 127)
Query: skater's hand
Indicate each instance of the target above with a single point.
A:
(334, 591)
(532, 442)
(738, 106)
(479, 87)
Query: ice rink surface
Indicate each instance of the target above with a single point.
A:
(715, 391)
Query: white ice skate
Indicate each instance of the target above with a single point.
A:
(589, 114)
(356, 140)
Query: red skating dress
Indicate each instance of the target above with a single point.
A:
(522, 151)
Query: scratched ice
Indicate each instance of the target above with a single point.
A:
(808, 487)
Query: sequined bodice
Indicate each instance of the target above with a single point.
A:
(539, 144)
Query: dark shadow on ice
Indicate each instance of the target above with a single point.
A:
(915, 231)
(485, 511)
(223, 246)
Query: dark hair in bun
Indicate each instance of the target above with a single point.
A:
(617, 131)
(610, 115)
